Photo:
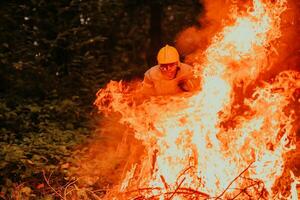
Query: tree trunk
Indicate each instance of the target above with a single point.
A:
(154, 31)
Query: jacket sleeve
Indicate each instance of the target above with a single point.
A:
(147, 85)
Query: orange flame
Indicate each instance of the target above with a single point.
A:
(191, 153)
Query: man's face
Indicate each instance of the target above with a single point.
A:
(169, 70)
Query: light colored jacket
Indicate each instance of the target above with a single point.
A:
(156, 84)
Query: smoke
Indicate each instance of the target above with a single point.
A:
(287, 52)
(108, 156)
(192, 41)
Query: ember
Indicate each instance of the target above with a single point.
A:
(211, 144)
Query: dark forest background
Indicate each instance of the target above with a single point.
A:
(54, 57)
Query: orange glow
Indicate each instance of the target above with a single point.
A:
(190, 152)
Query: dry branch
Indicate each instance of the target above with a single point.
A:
(48, 183)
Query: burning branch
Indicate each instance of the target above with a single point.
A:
(164, 182)
(176, 189)
(218, 197)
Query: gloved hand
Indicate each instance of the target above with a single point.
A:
(190, 85)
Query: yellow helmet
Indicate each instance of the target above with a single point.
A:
(167, 54)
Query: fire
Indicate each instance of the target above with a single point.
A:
(209, 144)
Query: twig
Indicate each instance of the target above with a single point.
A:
(218, 197)
(164, 182)
(143, 189)
(69, 192)
(93, 194)
(191, 193)
(185, 191)
(261, 194)
(48, 183)
(183, 172)
(68, 185)
(194, 192)
(176, 189)
(100, 190)
(139, 198)
(244, 190)
(154, 157)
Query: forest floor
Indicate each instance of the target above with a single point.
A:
(60, 149)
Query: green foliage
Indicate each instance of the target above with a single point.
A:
(33, 140)
(91, 42)
(54, 56)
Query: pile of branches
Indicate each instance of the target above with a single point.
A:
(253, 189)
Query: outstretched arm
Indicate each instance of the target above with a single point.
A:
(147, 86)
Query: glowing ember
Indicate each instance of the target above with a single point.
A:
(197, 147)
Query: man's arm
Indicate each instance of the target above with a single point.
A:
(147, 85)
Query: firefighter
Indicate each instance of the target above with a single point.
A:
(170, 76)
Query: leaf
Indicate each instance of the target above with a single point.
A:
(2, 195)
(3, 164)
(34, 108)
(29, 161)
(65, 166)
(26, 191)
(39, 186)
(48, 197)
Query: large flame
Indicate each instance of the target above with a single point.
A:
(208, 144)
